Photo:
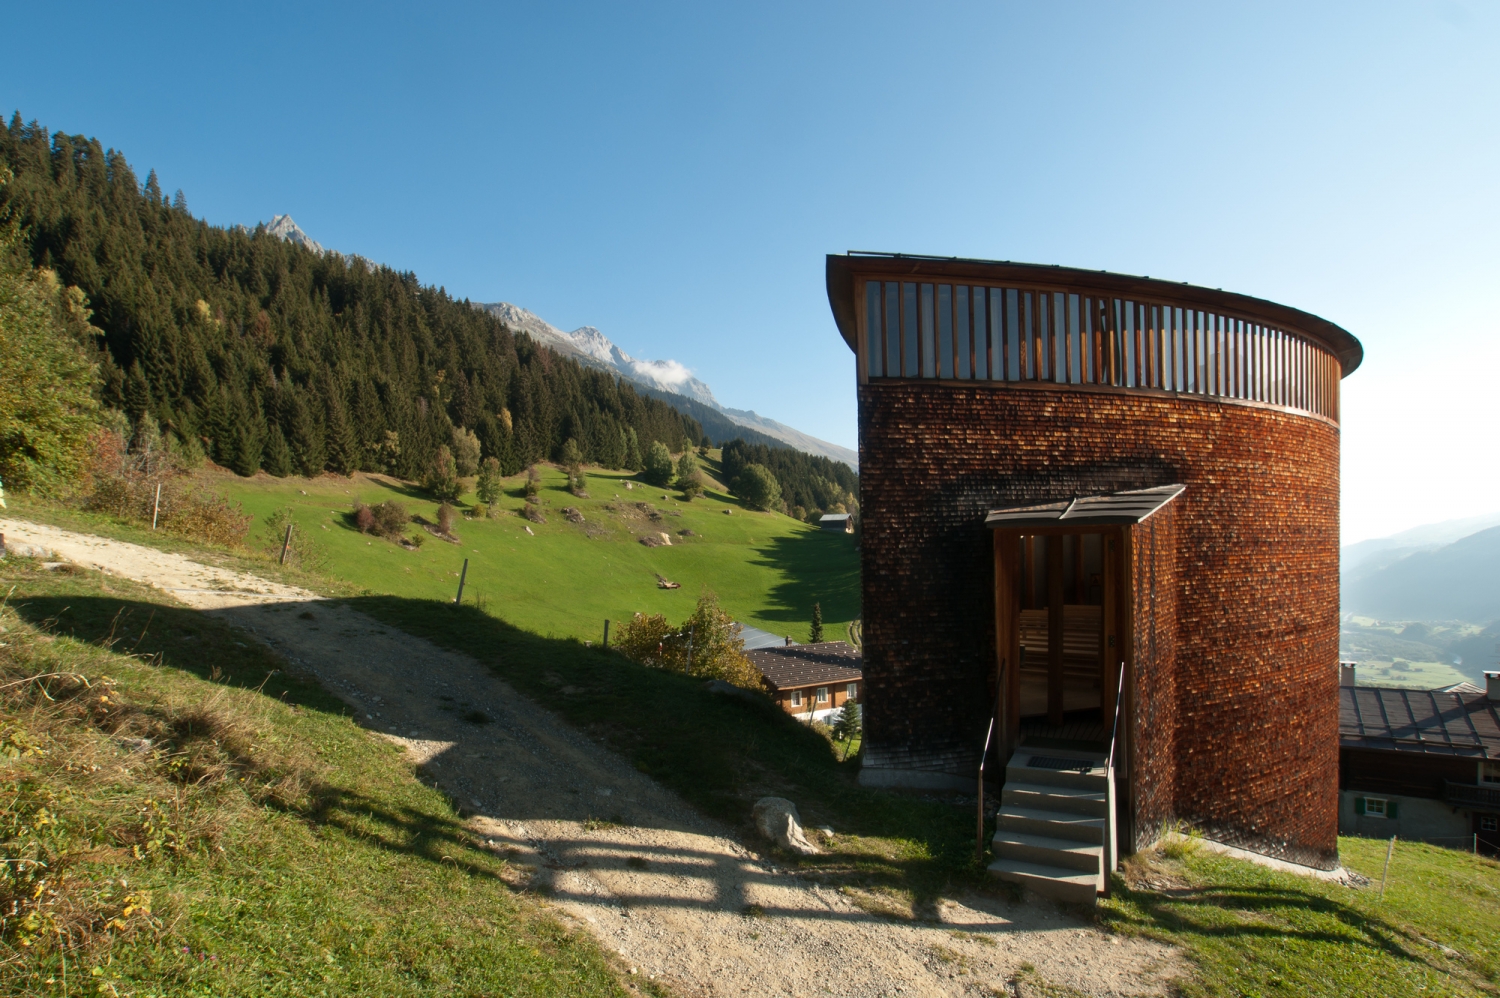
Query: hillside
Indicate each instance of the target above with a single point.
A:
(184, 818)
(561, 578)
(1457, 581)
(269, 355)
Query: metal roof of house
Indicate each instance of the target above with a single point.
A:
(1432, 721)
(833, 518)
(808, 665)
(1111, 507)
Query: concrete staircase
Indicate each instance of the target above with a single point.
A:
(1051, 831)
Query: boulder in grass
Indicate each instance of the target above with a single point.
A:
(777, 819)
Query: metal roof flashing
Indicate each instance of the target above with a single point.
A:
(1130, 507)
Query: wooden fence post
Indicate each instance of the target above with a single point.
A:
(462, 576)
(286, 543)
(156, 511)
(606, 632)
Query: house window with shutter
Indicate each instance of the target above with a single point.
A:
(852, 691)
(1490, 772)
(822, 694)
(796, 698)
(1489, 823)
(1375, 807)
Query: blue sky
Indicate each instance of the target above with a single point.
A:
(674, 174)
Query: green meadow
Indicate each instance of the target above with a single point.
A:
(561, 578)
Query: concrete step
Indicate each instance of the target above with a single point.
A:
(1049, 881)
(1056, 824)
(1095, 777)
(1047, 850)
(1041, 797)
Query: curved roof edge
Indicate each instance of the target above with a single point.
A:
(843, 268)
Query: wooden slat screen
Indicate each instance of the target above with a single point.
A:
(973, 332)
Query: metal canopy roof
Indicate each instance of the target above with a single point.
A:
(1111, 507)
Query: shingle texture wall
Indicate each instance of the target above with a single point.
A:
(1253, 706)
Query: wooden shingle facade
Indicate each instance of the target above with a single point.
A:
(1082, 490)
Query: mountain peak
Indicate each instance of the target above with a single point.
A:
(283, 227)
(590, 346)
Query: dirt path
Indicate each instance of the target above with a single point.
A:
(670, 891)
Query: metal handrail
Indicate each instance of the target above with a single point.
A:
(983, 758)
(1111, 844)
(1114, 730)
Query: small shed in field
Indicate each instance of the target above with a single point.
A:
(839, 523)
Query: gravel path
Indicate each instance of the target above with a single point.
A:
(674, 894)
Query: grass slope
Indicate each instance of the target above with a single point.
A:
(1254, 932)
(563, 579)
(259, 843)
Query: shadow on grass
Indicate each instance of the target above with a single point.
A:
(1247, 915)
(821, 567)
(718, 753)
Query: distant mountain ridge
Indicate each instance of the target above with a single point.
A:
(1427, 574)
(668, 378)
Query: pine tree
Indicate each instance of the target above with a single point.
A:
(277, 459)
(815, 633)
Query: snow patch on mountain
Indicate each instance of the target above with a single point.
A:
(592, 347)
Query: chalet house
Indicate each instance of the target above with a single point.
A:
(813, 681)
(1099, 523)
(839, 523)
(1421, 764)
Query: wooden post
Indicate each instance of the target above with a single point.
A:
(606, 632)
(286, 543)
(157, 509)
(1055, 630)
(1007, 664)
(461, 577)
(690, 652)
(1385, 876)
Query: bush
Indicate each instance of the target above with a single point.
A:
(445, 516)
(364, 520)
(533, 481)
(384, 519)
(188, 510)
(658, 464)
(718, 652)
(689, 478)
(302, 548)
(758, 487)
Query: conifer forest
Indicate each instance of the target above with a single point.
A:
(267, 355)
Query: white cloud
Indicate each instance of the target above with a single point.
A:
(663, 372)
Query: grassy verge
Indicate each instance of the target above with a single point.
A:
(1251, 931)
(181, 818)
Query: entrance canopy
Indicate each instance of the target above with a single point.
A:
(1110, 508)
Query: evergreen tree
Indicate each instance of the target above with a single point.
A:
(658, 469)
(277, 459)
(488, 487)
(815, 633)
